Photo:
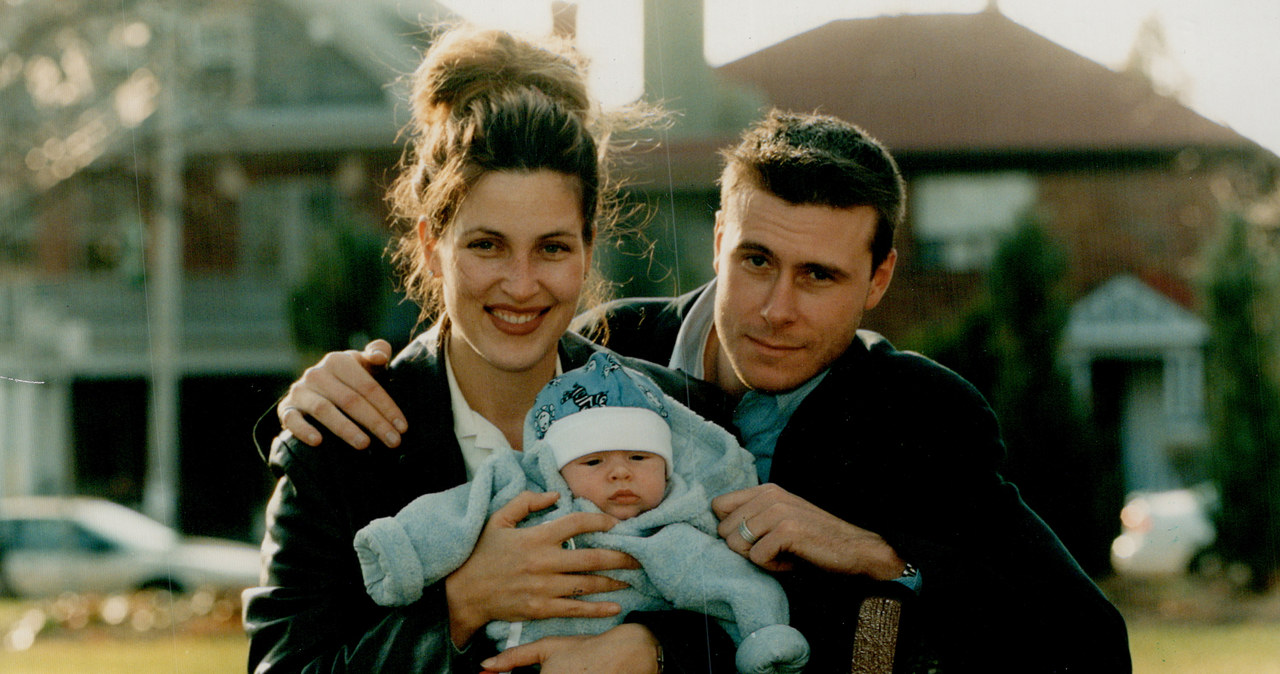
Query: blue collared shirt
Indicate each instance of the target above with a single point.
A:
(760, 417)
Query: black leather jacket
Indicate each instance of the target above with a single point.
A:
(898, 445)
(312, 613)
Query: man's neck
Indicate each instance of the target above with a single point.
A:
(717, 369)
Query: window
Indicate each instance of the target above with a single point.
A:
(958, 219)
(42, 535)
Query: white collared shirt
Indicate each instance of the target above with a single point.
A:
(477, 436)
(695, 330)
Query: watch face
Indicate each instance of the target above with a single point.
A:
(910, 571)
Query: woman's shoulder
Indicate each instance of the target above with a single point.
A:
(325, 462)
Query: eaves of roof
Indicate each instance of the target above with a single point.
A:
(971, 82)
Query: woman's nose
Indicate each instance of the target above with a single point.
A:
(521, 281)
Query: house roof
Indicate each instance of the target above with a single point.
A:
(1126, 313)
(976, 82)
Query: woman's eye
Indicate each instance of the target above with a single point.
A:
(482, 245)
(555, 249)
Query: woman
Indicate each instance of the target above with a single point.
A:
(501, 196)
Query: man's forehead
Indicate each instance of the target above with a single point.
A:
(760, 218)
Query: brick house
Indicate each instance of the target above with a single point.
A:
(990, 121)
(288, 129)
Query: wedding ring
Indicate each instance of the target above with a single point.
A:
(284, 411)
(746, 534)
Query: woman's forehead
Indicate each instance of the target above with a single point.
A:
(538, 203)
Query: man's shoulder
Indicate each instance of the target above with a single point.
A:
(875, 362)
(643, 327)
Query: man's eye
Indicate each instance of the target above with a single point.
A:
(756, 261)
(555, 249)
(819, 275)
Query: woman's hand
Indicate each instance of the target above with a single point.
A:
(340, 392)
(785, 527)
(524, 574)
(627, 648)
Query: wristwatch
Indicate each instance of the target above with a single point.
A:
(910, 572)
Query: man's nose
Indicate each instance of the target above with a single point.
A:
(780, 306)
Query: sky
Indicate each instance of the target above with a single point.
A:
(1224, 55)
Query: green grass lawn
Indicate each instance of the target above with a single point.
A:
(188, 655)
(1245, 648)
(1158, 648)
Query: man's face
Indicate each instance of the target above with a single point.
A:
(793, 283)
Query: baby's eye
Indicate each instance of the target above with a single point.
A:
(591, 462)
(640, 457)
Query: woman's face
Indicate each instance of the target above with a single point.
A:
(512, 264)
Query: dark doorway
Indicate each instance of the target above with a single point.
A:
(109, 434)
(224, 484)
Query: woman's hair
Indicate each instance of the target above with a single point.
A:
(482, 101)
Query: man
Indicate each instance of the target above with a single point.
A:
(876, 463)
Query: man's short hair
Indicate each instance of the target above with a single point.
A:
(818, 160)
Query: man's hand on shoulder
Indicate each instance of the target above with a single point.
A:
(773, 527)
(341, 394)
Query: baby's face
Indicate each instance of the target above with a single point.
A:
(621, 483)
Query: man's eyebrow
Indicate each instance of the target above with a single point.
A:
(828, 270)
(753, 247)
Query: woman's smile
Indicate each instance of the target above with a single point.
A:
(515, 321)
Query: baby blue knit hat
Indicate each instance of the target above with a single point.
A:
(601, 406)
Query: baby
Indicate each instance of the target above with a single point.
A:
(607, 439)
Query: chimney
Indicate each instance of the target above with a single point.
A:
(676, 73)
(564, 20)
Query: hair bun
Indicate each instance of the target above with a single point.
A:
(466, 64)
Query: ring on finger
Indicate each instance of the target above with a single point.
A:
(746, 534)
(284, 411)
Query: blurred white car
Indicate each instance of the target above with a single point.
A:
(54, 545)
(1164, 532)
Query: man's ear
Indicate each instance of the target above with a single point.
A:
(719, 232)
(880, 279)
